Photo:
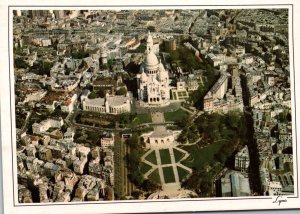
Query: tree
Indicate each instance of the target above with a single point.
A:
(109, 63)
(150, 186)
(200, 182)
(220, 156)
(93, 136)
(89, 87)
(80, 54)
(174, 55)
(68, 71)
(142, 142)
(182, 138)
(193, 182)
(64, 128)
(133, 141)
(41, 68)
(92, 95)
(135, 194)
(121, 91)
(125, 118)
(20, 63)
(101, 93)
(78, 133)
(284, 116)
(233, 119)
(138, 178)
(205, 184)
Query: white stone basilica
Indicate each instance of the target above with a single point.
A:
(153, 79)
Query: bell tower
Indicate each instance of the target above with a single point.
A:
(149, 42)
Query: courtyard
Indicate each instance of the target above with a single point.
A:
(165, 166)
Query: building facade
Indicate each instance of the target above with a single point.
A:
(242, 160)
(216, 92)
(110, 104)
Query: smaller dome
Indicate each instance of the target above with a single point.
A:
(163, 74)
(161, 67)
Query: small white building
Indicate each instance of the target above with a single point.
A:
(274, 188)
(108, 140)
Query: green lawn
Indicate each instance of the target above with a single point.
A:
(178, 155)
(144, 167)
(151, 157)
(165, 156)
(141, 118)
(168, 174)
(176, 116)
(182, 173)
(154, 176)
(200, 157)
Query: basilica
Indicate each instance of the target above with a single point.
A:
(153, 79)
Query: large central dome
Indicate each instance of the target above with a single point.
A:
(151, 60)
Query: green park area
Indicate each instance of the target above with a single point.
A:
(178, 155)
(144, 168)
(154, 176)
(221, 135)
(96, 119)
(182, 173)
(133, 120)
(184, 58)
(140, 119)
(151, 157)
(165, 156)
(168, 174)
(176, 116)
(199, 157)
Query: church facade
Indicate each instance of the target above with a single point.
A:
(153, 79)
